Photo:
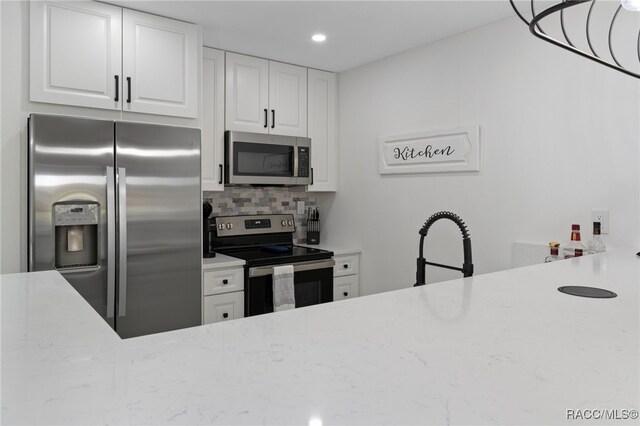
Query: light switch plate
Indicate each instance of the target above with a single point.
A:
(300, 206)
(602, 216)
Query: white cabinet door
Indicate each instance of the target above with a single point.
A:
(75, 54)
(159, 65)
(223, 307)
(212, 145)
(346, 265)
(287, 99)
(247, 93)
(345, 287)
(220, 281)
(323, 106)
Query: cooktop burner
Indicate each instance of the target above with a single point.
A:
(276, 254)
(262, 240)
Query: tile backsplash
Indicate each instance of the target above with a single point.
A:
(248, 200)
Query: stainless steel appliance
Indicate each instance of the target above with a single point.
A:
(265, 241)
(259, 159)
(115, 208)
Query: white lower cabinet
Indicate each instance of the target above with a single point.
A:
(223, 294)
(223, 307)
(345, 287)
(346, 283)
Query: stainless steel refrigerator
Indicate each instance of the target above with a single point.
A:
(115, 207)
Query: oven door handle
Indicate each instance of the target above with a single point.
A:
(262, 271)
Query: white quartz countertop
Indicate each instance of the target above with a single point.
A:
(502, 348)
(221, 261)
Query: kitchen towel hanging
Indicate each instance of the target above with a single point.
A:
(284, 296)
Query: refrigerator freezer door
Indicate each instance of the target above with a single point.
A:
(162, 226)
(68, 162)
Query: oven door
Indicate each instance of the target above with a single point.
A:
(313, 284)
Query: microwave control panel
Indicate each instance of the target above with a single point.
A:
(303, 161)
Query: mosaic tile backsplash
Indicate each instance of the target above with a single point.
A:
(268, 200)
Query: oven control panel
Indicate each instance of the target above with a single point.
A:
(227, 226)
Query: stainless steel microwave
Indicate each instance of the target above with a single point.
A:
(259, 159)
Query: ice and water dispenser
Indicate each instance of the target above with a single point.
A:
(76, 234)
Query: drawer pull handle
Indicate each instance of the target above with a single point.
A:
(346, 293)
(225, 281)
(345, 266)
(225, 315)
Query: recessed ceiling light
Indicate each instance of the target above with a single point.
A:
(318, 37)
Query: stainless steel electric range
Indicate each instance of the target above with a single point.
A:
(265, 241)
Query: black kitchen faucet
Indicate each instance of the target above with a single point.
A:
(467, 265)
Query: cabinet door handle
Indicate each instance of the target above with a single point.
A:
(117, 97)
(273, 118)
(266, 117)
(225, 315)
(345, 294)
(128, 90)
(225, 281)
(345, 266)
(220, 180)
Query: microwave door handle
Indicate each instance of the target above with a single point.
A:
(295, 161)
(264, 271)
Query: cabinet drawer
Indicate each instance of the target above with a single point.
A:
(345, 287)
(223, 307)
(345, 265)
(223, 281)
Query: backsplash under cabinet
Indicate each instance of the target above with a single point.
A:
(248, 200)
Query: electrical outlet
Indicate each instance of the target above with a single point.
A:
(602, 216)
(300, 206)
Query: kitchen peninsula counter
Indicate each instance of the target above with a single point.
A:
(501, 348)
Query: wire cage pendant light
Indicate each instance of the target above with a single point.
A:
(565, 41)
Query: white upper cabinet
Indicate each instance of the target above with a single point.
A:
(159, 65)
(247, 88)
(96, 55)
(323, 130)
(288, 99)
(75, 54)
(265, 97)
(212, 146)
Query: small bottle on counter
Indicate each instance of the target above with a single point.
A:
(596, 245)
(574, 248)
(553, 252)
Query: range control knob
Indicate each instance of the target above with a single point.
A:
(229, 225)
(290, 222)
(284, 223)
(220, 226)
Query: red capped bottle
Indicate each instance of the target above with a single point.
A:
(574, 248)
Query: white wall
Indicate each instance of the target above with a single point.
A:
(559, 136)
(14, 110)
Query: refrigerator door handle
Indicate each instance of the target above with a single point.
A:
(111, 242)
(122, 227)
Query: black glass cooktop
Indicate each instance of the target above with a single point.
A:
(276, 254)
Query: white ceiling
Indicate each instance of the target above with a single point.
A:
(357, 32)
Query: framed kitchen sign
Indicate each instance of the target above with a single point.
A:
(436, 151)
